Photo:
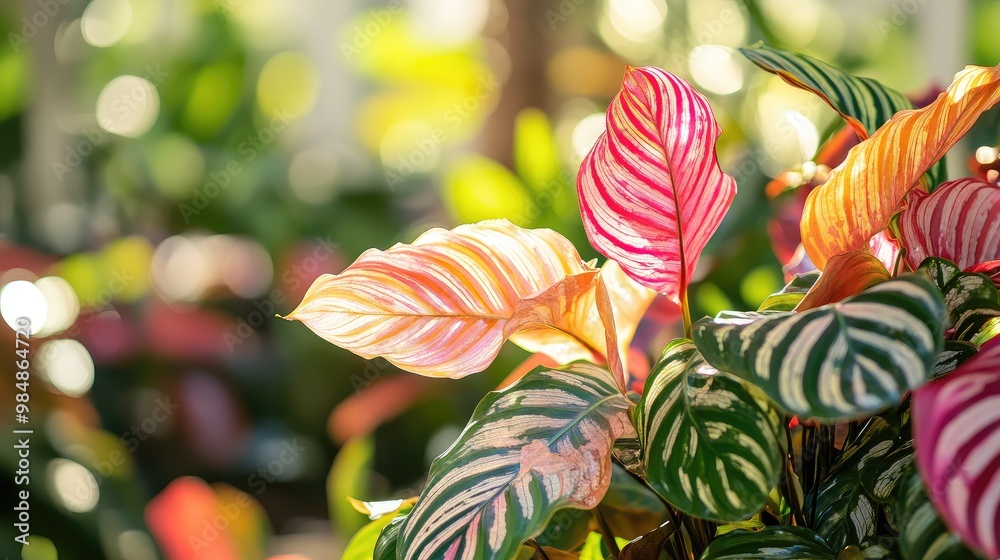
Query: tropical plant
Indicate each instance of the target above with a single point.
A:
(856, 414)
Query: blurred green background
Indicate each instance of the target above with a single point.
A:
(173, 173)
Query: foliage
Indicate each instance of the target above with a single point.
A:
(787, 432)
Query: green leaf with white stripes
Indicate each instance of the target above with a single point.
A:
(844, 513)
(864, 103)
(364, 545)
(922, 534)
(388, 540)
(840, 361)
(711, 440)
(878, 548)
(972, 301)
(880, 479)
(538, 446)
(954, 354)
(975, 318)
(939, 270)
(786, 542)
(781, 542)
(965, 287)
(791, 294)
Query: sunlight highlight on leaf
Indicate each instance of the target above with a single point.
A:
(651, 190)
(863, 193)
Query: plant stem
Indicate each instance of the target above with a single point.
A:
(791, 495)
(686, 313)
(609, 537)
(539, 552)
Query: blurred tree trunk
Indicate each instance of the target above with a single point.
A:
(45, 144)
(527, 41)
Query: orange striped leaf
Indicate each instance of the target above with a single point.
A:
(443, 305)
(862, 194)
(959, 222)
(628, 303)
(845, 276)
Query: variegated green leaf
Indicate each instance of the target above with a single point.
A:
(843, 360)
(878, 548)
(711, 440)
(955, 352)
(864, 103)
(939, 270)
(972, 300)
(844, 513)
(922, 534)
(791, 294)
(538, 446)
(880, 478)
(973, 317)
(965, 287)
(989, 331)
(386, 548)
(364, 545)
(771, 543)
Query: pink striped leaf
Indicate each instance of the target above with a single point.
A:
(443, 305)
(957, 438)
(989, 268)
(651, 190)
(960, 222)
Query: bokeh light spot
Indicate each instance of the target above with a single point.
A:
(128, 106)
(73, 486)
(23, 299)
(586, 132)
(39, 548)
(176, 165)
(637, 19)
(287, 85)
(448, 22)
(105, 22)
(716, 69)
(67, 365)
(63, 305)
(986, 155)
(311, 176)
